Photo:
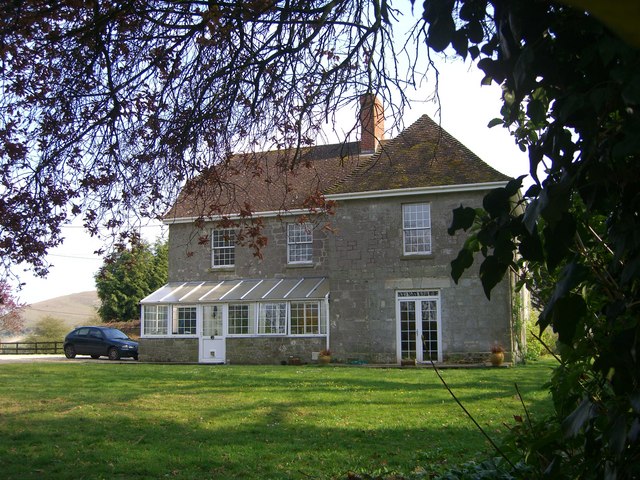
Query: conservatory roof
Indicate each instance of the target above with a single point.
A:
(245, 290)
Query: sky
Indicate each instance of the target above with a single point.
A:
(466, 109)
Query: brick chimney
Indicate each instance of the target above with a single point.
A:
(371, 123)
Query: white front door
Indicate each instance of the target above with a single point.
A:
(419, 329)
(212, 339)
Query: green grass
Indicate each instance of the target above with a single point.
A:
(90, 420)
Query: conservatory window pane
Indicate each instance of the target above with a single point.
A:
(155, 319)
(272, 319)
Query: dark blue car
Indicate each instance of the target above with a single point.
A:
(99, 342)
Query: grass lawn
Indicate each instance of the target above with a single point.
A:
(92, 420)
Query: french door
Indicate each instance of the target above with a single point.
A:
(419, 330)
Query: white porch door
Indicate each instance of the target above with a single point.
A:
(419, 327)
(212, 338)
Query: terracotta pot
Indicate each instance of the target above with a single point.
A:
(497, 358)
(324, 359)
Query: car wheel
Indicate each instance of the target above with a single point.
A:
(95, 357)
(135, 357)
(114, 354)
(69, 351)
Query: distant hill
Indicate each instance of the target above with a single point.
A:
(75, 309)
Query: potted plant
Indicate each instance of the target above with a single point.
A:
(497, 354)
(324, 357)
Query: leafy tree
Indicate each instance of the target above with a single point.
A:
(160, 265)
(11, 321)
(48, 329)
(127, 276)
(109, 107)
(572, 100)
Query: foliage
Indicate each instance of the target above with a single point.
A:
(539, 343)
(48, 329)
(271, 422)
(131, 328)
(621, 16)
(11, 321)
(490, 469)
(108, 108)
(572, 99)
(127, 276)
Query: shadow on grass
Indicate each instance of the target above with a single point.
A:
(81, 447)
(147, 421)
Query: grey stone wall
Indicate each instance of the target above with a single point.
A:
(176, 350)
(368, 268)
(190, 261)
(365, 265)
(272, 350)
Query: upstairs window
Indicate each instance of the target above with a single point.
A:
(416, 227)
(299, 243)
(223, 247)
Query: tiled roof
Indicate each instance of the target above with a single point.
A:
(423, 155)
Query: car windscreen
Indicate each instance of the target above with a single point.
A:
(115, 334)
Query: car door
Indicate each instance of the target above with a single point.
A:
(80, 341)
(96, 342)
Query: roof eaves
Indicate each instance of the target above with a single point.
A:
(400, 192)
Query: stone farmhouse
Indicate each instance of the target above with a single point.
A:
(357, 259)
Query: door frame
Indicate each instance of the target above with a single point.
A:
(417, 296)
(202, 338)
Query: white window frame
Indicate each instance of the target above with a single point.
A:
(223, 243)
(251, 319)
(256, 322)
(152, 322)
(418, 296)
(272, 318)
(303, 306)
(299, 235)
(417, 226)
(176, 330)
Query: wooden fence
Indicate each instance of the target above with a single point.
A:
(30, 348)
